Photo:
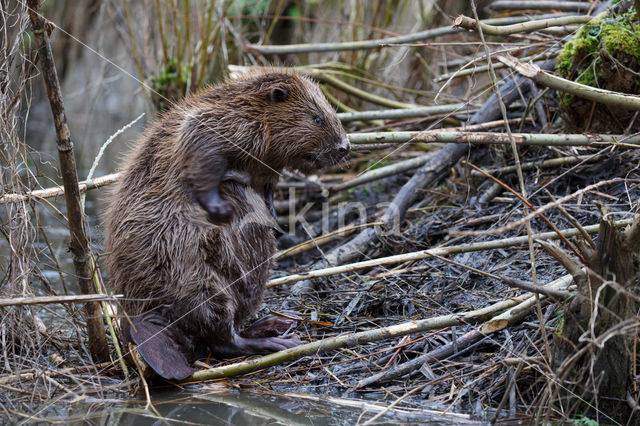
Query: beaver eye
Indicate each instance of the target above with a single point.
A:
(319, 121)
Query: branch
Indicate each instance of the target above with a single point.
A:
(374, 44)
(528, 26)
(385, 114)
(489, 138)
(59, 190)
(438, 251)
(43, 300)
(461, 137)
(569, 6)
(78, 239)
(606, 97)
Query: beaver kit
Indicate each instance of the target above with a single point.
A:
(189, 226)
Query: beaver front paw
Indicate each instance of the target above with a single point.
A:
(219, 210)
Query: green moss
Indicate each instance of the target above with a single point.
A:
(619, 37)
(584, 43)
(614, 35)
(563, 61)
(580, 59)
(560, 325)
(589, 77)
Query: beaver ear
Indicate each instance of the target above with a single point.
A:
(278, 94)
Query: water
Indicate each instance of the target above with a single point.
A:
(217, 405)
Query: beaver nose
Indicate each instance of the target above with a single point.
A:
(344, 146)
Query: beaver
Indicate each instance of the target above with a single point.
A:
(189, 235)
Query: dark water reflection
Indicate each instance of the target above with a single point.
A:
(224, 407)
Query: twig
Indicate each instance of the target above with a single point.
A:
(382, 42)
(419, 414)
(546, 207)
(101, 153)
(438, 354)
(543, 164)
(387, 114)
(323, 239)
(382, 172)
(606, 97)
(43, 300)
(462, 72)
(459, 137)
(480, 138)
(568, 6)
(79, 245)
(471, 24)
(34, 374)
(354, 91)
(511, 282)
(107, 143)
(488, 138)
(440, 251)
(531, 207)
(59, 190)
(393, 404)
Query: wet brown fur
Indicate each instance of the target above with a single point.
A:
(198, 280)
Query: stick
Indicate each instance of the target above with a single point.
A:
(383, 42)
(471, 24)
(569, 6)
(59, 190)
(385, 114)
(438, 251)
(551, 163)
(489, 138)
(606, 97)
(43, 300)
(78, 243)
(354, 339)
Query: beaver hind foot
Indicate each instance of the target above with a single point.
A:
(270, 326)
(158, 347)
(264, 336)
(241, 346)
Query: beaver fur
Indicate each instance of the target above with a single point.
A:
(188, 230)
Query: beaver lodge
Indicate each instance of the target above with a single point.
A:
(476, 259)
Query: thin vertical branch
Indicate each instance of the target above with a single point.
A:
(136, 56)
(78, 243)
(276, 17)
(187, 49)
(204, 43)
(161, 31)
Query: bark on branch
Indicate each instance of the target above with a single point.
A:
(539, 24)
(606, 97)
(78, 238)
